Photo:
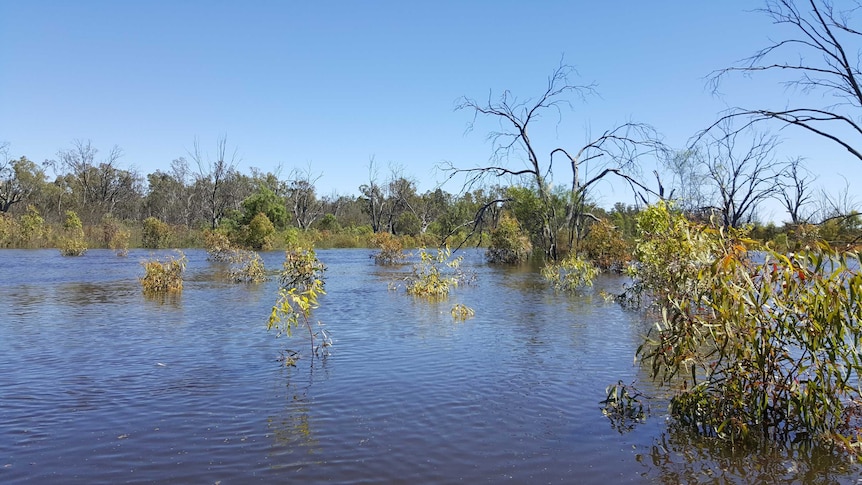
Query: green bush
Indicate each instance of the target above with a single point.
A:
(763, 349)
(155, 234)
(72, 242)
(509, 244)
(570, 274)
(261, 233)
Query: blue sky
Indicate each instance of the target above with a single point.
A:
(330, 84)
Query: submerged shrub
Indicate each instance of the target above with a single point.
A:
(462, 312)
(764, 349)
(435, 275)
(605, 247)
(391, 249)
(247, 267)
(164, 276)
(72, 242)
(218, 246)
(570, 274)
(509, 244)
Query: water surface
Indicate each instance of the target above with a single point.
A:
(100, 384)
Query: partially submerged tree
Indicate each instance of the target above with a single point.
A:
(614, 152)
(819, 55)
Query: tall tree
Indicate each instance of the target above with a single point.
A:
(19, 179)
(216, 179)
(795, 190)
(302, 198)
(742, 168)
(614, 152)
(98, 187)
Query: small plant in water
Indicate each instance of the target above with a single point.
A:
(570, 274)
(462, 312)
(623, 407)
(301, 283)
(247, 267)
(435, 275)
(391, 249)
(218, 246)
(164, 276)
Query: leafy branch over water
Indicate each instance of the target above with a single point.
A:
(301, 283)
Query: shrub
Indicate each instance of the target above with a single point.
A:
(247, 267)
(115, 236)
(435, 275)
(218, 246)
(261, 233)
(156, 234)
(764, 349)
(605, 247)
(164, 276)
(32, 226)
(509, 244)
(391, 249)
(72, 243)
(570, 274)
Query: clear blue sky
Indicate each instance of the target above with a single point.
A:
(332, 83)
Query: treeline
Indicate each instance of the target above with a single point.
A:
(261, 210)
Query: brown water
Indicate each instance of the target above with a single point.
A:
(101, 385)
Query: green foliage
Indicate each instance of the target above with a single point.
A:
(570, 274)
(261, 233)
(435, 275)
(301, 283)
(605, 247)
(670, 253)
(264, 201)
(165, 276)
(764, 349)
(32, 226)
(155, 234)
(509, 244)
(247, 267)
(391, 249)
(72, 243)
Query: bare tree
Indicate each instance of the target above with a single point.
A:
(374, 196)
(689, 187)
(795, 190)
(837, 205)
(743, 170)
(213, 178)
(302, 198)
(823, 58)
(98, 188)
(614, 152)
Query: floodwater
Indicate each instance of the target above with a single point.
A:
(99, 384)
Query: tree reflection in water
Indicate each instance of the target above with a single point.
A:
(681, 456)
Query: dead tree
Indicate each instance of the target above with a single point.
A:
(213, 179)
(822, 57)
(614, 152)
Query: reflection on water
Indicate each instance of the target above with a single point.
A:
(100, 384)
